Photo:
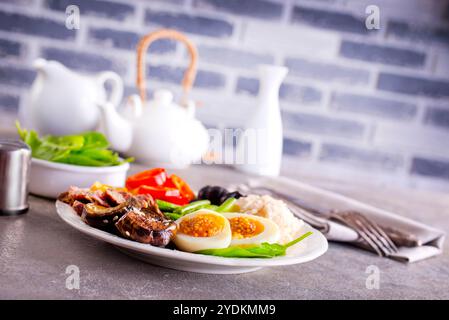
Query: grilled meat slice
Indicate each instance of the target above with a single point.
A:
(143, 200)
(114, 197)
(105, 217)
(98, 197)
(133, 217)
(83, 196)
(146, 227)
(153, 211)
(78, 207)
(66, 198)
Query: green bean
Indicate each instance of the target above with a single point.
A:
(191, 207)
(227, 205)
(212, 207)
(166, 206)
(172, 215)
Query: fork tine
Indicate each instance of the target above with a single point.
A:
(383, 236)
(371, 231)
(385, 250)
(345, 219)
(365, 229)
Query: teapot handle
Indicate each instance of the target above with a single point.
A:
(144, 43)
(117, 86)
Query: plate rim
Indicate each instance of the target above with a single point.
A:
(115, 240)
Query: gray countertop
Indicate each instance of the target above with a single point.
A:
(36, 248)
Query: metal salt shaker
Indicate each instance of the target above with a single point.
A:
(15, 158)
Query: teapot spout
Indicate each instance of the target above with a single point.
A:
(52, 69)
(39, 64)
(117, 129)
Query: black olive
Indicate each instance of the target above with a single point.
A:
(212, 193)
(234, 194)
(216, 194)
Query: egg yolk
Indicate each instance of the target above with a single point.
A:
(204, 225)
(243, 227)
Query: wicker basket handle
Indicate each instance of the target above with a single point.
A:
(144, 43)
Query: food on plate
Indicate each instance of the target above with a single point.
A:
(86, 149)
(157, 183)
(191, 207)
(250, 229)
(103, 187)
(217, 195)
(174, 211)
(264, 250)
(226, 206)
(157, 208)
(78, 197)
(274, 210)
(167, 206)
(146, 226)
(102, 217)
(135, 217)
(202, 229)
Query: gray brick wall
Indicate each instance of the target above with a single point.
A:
(356, 102)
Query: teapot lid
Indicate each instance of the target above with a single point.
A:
(162, 97)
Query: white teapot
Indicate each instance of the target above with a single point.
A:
(157, 132)
(64, 102)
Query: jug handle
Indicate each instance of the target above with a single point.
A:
(144, 43)
(117, 86)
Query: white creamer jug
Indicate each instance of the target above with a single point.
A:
(64, 102)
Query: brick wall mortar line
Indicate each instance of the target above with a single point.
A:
(420, 112)
(139, 13)
(81, 34)
(287, 9)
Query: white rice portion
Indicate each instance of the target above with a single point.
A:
(275, 210)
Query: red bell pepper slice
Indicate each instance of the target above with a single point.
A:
(152, 177)
(159, 185)
(171, 195)
(182, 186)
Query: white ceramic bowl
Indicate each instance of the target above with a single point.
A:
(49, 179)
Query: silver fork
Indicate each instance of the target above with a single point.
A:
(368, 230)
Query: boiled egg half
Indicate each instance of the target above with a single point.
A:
(248, 229)
(202, 229)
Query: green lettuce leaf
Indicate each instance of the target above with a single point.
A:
(264, 250)
(87, 149)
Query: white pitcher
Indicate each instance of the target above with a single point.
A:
(260, 149)
(64, 102)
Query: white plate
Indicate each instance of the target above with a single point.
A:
(308, 249)
(48, 178)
